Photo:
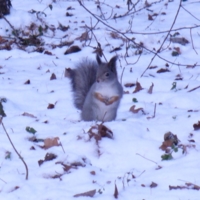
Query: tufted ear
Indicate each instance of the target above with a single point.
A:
(112, 64)
(98, 59)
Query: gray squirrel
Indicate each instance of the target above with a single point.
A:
(96, 89)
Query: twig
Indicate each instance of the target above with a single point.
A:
(3, 181)
(158, 51)
(160, 32)
(122, 74)
(148, 159)
(154, 114)
(141, 174)
(190, 13)
(192, 41)
(194, 88)
(1, 121)
(62, 147)
(1, 15)
(139, 45)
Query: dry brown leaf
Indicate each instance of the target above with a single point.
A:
(178, 50)
(90, 193)
(179, 40)
(166, 144)
(15, 188)
(72, 49)
(196, 126)
(98, 131)
(27, 82)
(28, 115)
(53, 77)
(116, 193)
(50, 106)
(115, 49)
(150, 17)
(93, 172)
(163, 70)
(49, 156)
(153, 185)
(51, 142)
(129, 84)
(186, 186)
(153, 67)
(84, 37)
(151, 89)
(48, 53)
(138, 87)
(133, 110)
(169, 140)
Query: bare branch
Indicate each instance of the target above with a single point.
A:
(21, 158)
(158, 51)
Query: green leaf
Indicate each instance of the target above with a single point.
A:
(8, 155)
(135, 100)
(30, 130)
(175, 148)
(175, 53)
(173, 86)
(40, 29)
(167, 157)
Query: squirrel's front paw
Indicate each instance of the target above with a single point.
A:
(107, 101)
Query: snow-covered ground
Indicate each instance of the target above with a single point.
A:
(129, 166)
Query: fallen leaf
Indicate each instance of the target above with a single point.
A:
(150, 17)
(151, 89)
(98, 131)
(69, 14)
(72, 49)
(90, 193)
(28, 115)
(196, 126)
(179, 40)
(138, 87)
(53, 77)
(15, 188)
(162, 70)
(129, 84)
(48, 53)
(116, 193)
(51, 142)
(30, 130)
(84, 37)
(153, 185)
(153, 67)
(27, 82)
(50, 106)
(133, 110)
(93, 172)
(115, 49)
(40, 162)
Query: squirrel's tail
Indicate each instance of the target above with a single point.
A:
(82, 79)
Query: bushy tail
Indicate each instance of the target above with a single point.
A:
(83, 78)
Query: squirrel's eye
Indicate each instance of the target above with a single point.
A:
(107, 74)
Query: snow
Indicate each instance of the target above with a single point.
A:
(132, 159)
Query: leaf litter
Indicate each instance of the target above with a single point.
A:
(42, 41)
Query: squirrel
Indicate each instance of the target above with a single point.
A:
(96, 89)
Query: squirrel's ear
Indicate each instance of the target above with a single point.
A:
(98, 59)
(113, 60)
(112, 64)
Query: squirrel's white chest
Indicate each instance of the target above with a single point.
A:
(106, 90)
